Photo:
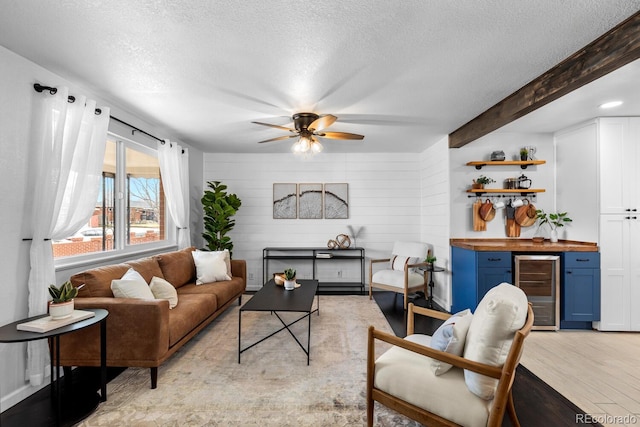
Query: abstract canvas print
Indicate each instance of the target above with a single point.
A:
(310, 201)
(285, 201)
(336, 201)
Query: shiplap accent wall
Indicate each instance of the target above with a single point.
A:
(435, 217)
(384, 197)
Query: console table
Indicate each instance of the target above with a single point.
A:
(318, 257)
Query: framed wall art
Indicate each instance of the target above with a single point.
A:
(310, 201)
(336, 201)
(285, 201)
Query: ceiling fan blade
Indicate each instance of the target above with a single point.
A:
(280, 138)
(275, 126)
(339, 135)
(322, 122)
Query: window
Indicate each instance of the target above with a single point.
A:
(130, 208)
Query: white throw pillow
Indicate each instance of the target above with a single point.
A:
(210, 267)
(500, 313)
(132, 285)
(450, 337)
(227, 258)
(398, 262)
(162, 289)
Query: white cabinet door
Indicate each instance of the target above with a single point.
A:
(614, 266)
(634, 267)
(614, 190)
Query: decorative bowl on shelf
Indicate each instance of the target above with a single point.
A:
(537, 239)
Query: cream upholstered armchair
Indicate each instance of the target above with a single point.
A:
(460, 376)
(400, 274)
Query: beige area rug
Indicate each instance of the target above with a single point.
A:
(203, 384)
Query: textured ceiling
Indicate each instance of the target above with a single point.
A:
(402, 73)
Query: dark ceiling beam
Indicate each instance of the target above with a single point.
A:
(609, 52)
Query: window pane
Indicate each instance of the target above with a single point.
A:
(98, 234)
(145, 201)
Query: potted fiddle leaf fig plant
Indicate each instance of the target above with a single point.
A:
(219, 207)
(289, 279)
(61, 304)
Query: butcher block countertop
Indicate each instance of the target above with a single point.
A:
(524, 245)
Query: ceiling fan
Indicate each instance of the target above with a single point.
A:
(309, 127)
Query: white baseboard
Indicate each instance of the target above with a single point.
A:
(19, 395)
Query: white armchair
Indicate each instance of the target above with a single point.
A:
(400, 274)
(469, 382)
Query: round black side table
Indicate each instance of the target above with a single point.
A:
(10, 334)
(431, 269)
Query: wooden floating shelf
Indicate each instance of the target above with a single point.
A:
(522, 163)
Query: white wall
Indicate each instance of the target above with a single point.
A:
(17, 76)
(435, 214)
(384, 197)
(462, 176)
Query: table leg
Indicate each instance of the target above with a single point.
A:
(309, 340)
(103, 360)
(58, 397)
(239, 334)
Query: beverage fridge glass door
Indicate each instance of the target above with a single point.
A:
(539, 277)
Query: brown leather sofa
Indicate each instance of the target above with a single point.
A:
(145, 333)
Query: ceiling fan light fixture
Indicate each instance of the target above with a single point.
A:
(316, 147)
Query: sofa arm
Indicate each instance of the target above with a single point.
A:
(239, 269)
(137, 334)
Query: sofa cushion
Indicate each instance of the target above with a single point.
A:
(210, 267)
(147, 267)
(97, 281)
(500, 313)
(162, 289)
(225, 291)
(192, 310)
(177, 267)
(132, 285)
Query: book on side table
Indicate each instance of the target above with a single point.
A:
(46, 324)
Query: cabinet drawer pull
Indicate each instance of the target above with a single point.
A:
(494, 259)
(582, 259)
(569, 271)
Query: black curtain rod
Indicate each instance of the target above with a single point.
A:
(53, 90)
(136, 129)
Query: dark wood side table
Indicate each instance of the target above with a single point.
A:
(10, 334)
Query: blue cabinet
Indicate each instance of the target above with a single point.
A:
(580, 287)
(474, 273)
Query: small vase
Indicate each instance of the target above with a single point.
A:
(553, 237)
(61, 310)
(290, 285)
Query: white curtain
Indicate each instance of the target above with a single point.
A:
(174, 170)
(69, 140)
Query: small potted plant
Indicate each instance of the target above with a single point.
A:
(289, 279)
(481, 181)
(430, 260)
(524, 154)
(555, 220)
(61, 305)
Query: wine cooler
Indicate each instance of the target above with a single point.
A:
(539, 277)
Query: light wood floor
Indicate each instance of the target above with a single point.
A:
(597, 371)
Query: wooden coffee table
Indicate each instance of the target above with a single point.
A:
(274, 299)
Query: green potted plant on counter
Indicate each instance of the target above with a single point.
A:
(555, 220)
